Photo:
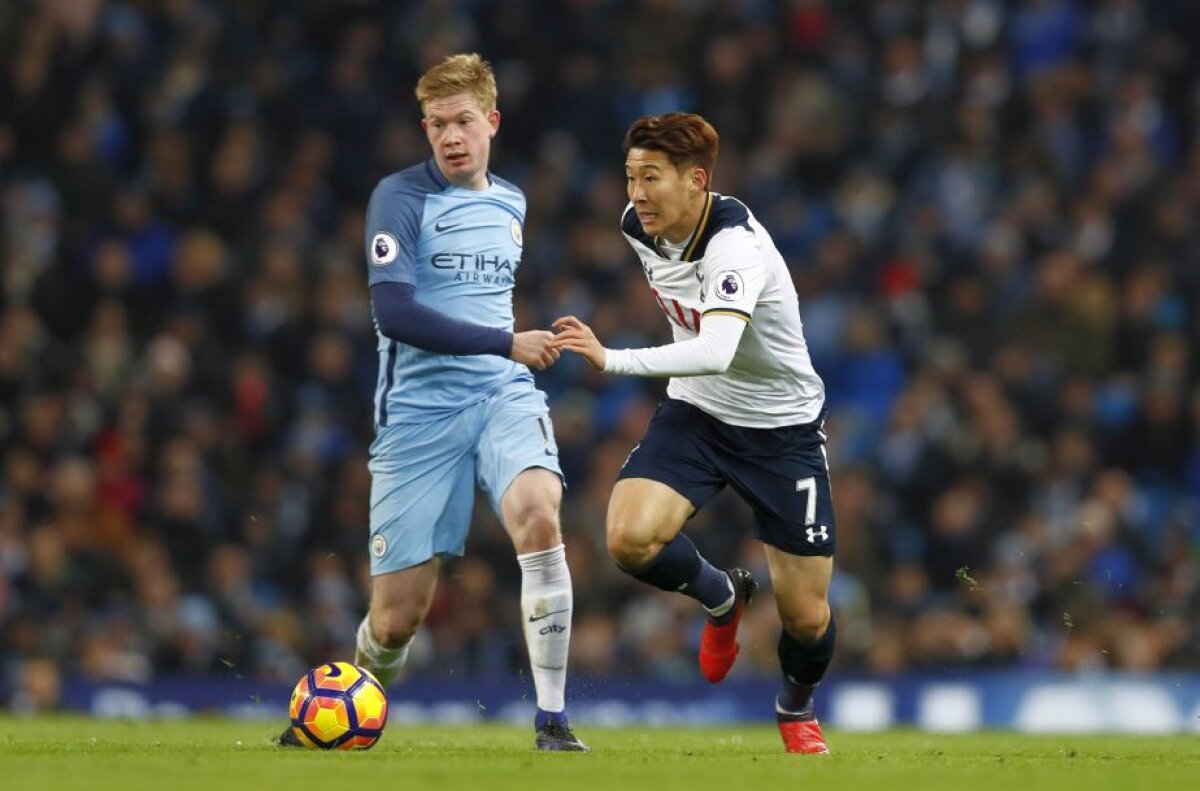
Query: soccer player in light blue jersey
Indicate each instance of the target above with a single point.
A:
(456, 404)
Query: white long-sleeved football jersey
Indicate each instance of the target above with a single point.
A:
(730, 267)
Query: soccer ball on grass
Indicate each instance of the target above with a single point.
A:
(338, 706)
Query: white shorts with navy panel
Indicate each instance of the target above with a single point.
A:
(423, 475)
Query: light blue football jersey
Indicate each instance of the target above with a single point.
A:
(460, 248)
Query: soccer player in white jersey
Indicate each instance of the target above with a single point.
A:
(744, 408)
(456, 404)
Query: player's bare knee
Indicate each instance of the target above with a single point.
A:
(627, 546)
(808, 623)
(538, 530)
(622, 553)
(394, 627)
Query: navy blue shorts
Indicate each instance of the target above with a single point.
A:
(781, 472)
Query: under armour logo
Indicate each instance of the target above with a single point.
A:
(818, 533)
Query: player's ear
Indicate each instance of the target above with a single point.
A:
(494, 121)
(698, 181)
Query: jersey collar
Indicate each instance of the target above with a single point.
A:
(440, 179)
(435, 173)
(701, 226)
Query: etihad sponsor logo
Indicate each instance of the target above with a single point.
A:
(473, 262)
(476, 267)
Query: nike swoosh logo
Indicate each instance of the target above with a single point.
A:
(439, 227)
(534, 618)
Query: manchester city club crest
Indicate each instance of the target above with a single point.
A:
(378, 545)
(384, 249)
(514, 228)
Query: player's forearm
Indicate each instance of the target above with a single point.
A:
(710, 352)
(401, 318)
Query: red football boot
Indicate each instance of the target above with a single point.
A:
(718, 644)
(802, 736)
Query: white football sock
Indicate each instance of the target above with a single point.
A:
(546, 603)
(384, 663)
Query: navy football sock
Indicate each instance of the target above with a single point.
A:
(679, 567)
(544, 718)
(804, 665)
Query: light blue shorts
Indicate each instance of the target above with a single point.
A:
(423, 475)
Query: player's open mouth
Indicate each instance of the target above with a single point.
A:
(456, 159)
(645, 218)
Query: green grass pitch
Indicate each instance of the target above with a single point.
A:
(216, 754)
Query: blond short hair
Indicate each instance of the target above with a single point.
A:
(466, 73)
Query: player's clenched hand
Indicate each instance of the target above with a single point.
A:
(575, 336)
(534, 348)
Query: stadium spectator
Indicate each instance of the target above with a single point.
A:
(987, 209)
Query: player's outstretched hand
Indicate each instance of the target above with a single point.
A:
(575, 336)
(534, 348)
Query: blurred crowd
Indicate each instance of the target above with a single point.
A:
(989, 209)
